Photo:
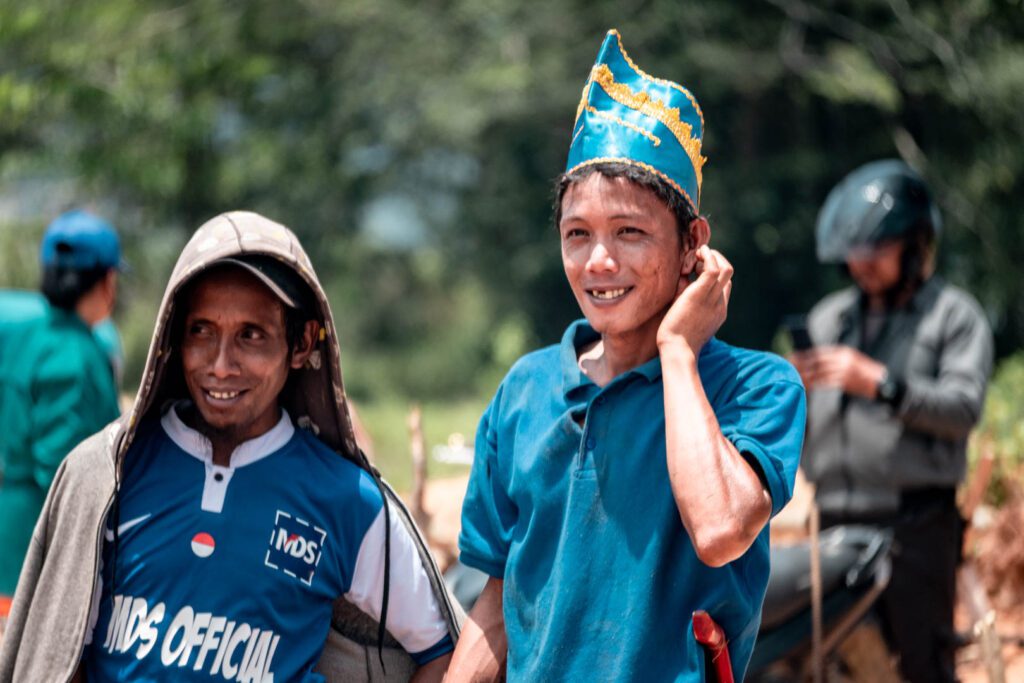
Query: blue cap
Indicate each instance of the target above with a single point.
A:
(79, 240)
(628, 116)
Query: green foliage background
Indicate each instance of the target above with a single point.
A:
(1003, 424)
(412, 146)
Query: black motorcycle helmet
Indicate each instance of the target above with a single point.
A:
(880, 201)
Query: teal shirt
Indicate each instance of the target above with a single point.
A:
(600, 577)
(109, 339)
(56, 388)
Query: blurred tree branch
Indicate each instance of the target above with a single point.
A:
(327, 116)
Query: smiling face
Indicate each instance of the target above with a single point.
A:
(234, 353)
(622, 254)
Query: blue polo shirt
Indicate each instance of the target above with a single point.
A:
(600, 576)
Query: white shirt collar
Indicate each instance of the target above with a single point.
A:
(246, 453)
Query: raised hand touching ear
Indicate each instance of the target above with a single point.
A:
(701, 306)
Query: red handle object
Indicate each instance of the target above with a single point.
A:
(712, 637)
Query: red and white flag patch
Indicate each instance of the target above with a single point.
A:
(203, 544)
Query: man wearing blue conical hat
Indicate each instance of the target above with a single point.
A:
(624, 478)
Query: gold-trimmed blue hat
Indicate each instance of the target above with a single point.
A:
(628, 116)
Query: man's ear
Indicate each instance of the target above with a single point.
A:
(698, 233)
(310, 335)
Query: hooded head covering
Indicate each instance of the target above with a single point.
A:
(58, 597)
(628, 116)
(314, 396)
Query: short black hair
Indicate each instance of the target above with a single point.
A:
(63, 286)
(672, 198)
(295, 320)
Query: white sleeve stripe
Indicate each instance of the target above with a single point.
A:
(414, 618)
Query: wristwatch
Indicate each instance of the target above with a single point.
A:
(890, 389)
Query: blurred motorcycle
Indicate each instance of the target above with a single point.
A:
(855, 569)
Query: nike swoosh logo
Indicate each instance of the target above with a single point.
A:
(121, 528)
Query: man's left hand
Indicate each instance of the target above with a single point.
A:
(701, 306)
(843, 367)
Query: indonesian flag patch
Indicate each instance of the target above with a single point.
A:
(202, 544)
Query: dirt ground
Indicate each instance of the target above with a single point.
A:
(1010, 626)
(999, 547)
(996, 547)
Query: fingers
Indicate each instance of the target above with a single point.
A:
(707, 256)
(815, 362)
(804, 364)
(722, 268)
(822, 366)
(725, 272)
(705, 275)
(717, 274)
(725, 269)
(808, 364)
(700, 265)
(714, 264)
(702, 297)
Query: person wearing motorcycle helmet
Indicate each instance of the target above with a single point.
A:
(896, 380)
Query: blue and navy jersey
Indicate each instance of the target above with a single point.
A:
(231, 572)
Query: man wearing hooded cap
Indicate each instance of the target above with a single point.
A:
(229, 526)
(56, 381)
(896, 381)
(624, 478)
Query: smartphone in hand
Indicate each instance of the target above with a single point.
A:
(799, 336)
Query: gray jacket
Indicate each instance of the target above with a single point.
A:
(51, 610)
(861, 453)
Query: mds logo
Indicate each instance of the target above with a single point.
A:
(295, 547)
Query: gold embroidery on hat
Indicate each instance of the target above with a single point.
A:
(583, 98)
(660, 81)
(656, 109)
(632, 126)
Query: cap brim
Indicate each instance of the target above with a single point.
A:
(263, 277)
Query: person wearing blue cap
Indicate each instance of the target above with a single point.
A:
(896, 380)
(624, 478)
(57, 385)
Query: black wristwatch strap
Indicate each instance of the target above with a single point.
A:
(891, 389)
